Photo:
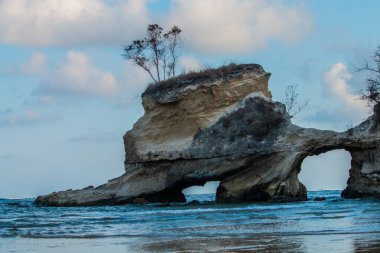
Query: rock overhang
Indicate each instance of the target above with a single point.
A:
(223, 125)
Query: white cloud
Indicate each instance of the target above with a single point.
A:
(70, 22)
(28, 117)
(188, 63)
(134, 81)
(35, 65)
(135, 78)
(77, 76)
(335, 82)
(344, 107)
(236, 26)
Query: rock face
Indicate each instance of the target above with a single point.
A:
(222, 125)
(364, 175)
(176, 112)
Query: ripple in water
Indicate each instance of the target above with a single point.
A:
(311, 226)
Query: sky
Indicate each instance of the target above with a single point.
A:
(67, 96)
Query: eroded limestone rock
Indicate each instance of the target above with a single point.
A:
(222, 125)
(175, 111)
(364, 178)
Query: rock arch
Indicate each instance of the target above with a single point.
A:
(222, 125)
(327, 171)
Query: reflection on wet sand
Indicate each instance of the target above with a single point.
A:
(365, 245)
(267, 243)
(260, 243)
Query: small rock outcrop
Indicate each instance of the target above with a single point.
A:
(223, 125)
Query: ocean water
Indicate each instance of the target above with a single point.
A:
(333, 225)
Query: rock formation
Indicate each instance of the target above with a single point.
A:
(222, 125)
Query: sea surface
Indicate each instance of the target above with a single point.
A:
(333, 225)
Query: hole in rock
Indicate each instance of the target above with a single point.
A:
(204, 193)
(327, 171)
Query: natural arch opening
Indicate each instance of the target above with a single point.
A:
(204, 193)
(327, 171)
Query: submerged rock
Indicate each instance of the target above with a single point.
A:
(17, 204)
(222, 125)
(140, 201)
(319, 199)
(193, 203)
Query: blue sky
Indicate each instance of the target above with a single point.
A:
(67, 97)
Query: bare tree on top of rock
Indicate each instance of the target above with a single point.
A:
(371, 93)
(157, 53)
(291, 101)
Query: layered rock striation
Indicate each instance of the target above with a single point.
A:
(223, 125)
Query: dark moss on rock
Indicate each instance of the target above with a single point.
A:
(244, 129)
